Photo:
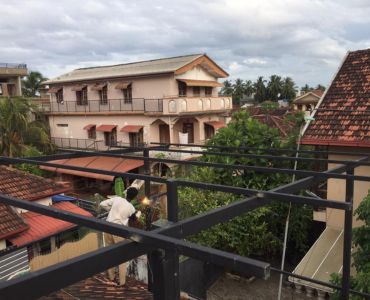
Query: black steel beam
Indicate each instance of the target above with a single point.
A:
(55, 277)
(347, 236)
(258, 169)
(268, 150)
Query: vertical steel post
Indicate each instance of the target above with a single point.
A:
(146, 171)
(347, 245)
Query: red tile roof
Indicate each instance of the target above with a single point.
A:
(216, 124)
(10, 222)
(114, 164)
(27, 186)
(41, 226)
(98, 287)
(343, 118)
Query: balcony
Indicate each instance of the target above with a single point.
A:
(10, 69)
(171, 105)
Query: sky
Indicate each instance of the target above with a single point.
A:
(303, 39)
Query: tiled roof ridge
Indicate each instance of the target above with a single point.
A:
(142, 61)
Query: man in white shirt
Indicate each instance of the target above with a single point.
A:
(120, 211)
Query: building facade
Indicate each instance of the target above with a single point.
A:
(10, 79)
(171, 100)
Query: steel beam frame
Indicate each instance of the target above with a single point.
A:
(169, 238)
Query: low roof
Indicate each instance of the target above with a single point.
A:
(26, 186)
(176, 65)
(41, 226)
(114, 164)
(99, 287)
(343, 118)
(303, 98)
(206, 83)
(11, 222)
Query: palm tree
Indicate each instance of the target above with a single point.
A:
(18, 132)
(227, 89)
(306, 88)
(248, 88)
(31, 84)
(238, 90)
(274, 87)
(320, 87)
(260, 90)
(288, 89)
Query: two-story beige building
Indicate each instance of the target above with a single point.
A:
(10, 79)
(169, 100)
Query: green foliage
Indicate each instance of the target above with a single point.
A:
(119, 187)
(259, 232)
(30, 168)
(32, 83)
(361, 256)
(19, 131)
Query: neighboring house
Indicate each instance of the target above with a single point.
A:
(19, 227)
(307, 101)
(137, 103)
(274, 118)
(341, 123)
(10, 79)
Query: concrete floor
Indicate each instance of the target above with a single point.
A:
(231, 288)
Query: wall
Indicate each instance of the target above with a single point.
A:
(2, 244)
(44, 201)
(337, 190)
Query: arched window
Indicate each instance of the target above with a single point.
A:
(184, 105)
(200, 104)
(172, 106)
(222, 103)
(207, 104)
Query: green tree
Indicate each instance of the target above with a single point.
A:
(227, 89)
(320, 87)
(20, 128)
(31, 84)
(259, 232)
(306, 88)
(260, 90)
(288, 89)
(248, 88)
(274, 87)
(361, 256)
(238, 90)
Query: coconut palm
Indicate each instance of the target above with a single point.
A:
(238, 90)
(248, 88)
(288, 89)
(274, 87)
(227, 89)
(20, 129)
(31, 84)
(260, 90)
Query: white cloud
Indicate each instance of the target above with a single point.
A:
(305, 39)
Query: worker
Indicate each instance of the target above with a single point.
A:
(120, 211)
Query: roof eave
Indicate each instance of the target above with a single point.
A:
(317, 142)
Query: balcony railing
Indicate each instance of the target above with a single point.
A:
(13, 66)
(111, 105)
(170, 105)
(89, 144)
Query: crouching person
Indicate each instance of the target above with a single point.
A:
(120, 211)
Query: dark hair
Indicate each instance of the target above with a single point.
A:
(131, 193)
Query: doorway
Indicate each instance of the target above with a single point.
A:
(189, 129)
(164, 133)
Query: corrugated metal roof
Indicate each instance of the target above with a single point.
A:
(114, 164)
(156, 66)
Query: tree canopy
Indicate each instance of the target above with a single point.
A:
(22, 127)
(31, 84)
(259, 232)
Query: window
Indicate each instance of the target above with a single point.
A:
(208, 91)
(91, 133)
(110, 138)
(62, 125)
(59, 96)
(196, 91)
(81, 96)
(103, 95)
(182, 89)
(136, 139)
(127, 95)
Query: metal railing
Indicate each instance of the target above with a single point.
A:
(111, 105)
(13, 66)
